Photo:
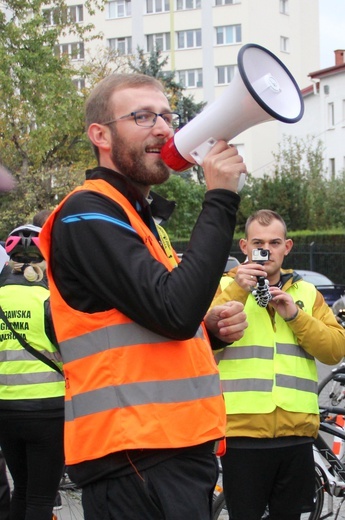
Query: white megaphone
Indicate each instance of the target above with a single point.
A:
(262, 90)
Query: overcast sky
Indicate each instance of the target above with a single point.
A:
(332, 30)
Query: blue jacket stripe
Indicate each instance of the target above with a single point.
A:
(97, 216)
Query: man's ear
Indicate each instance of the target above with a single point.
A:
(243, 245)
(100, 136)
(288, 246)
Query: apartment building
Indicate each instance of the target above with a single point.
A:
(202, 38)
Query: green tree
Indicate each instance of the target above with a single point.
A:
(296, 189)
(41, 112)
(334, 195)
(188, 196)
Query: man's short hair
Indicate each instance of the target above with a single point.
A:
(264, 217)
(98, 109)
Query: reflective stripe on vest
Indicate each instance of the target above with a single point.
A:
(267, 368)
(127, 387)
(135, 394)
(265, 385)
(30, 379)
(115, 336)
(255, 351)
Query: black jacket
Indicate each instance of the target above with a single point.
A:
(99, 264)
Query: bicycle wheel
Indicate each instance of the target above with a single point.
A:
(71, 507)
(331, 392)
(319, 498)
(220, 512)
(219, 509)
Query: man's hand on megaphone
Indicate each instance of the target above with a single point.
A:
(223, 167)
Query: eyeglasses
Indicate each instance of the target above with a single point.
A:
(148, 119)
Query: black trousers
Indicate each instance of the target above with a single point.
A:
(282, 478)
(4, 490)
(33, 449)
(178, 488)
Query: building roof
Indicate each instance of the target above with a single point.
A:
(310, 90)
(331, 71)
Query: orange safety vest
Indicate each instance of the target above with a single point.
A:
(128, 387)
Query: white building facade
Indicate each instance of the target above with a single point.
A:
(201, 39)
(324, 118)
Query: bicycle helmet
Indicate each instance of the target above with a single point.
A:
(22, 244)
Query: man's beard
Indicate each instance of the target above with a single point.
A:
(128, 160)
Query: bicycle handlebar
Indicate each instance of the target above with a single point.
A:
(336, 410)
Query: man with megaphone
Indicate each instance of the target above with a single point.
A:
(144, 407)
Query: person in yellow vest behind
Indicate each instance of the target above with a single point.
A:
(144, 407)
(269, 377)
(32, 385)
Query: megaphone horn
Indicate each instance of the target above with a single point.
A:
(262, 90)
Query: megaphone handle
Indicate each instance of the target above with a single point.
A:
(241, 182)
(201, 151)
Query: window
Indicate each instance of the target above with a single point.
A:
(228, 34)
(157, 6)
(330, 115)
(51, 16)
(190, 78)
(182, 5)
(284, 44)
(189, 39)
(119, 8)
(227, 2)
(284, 6)
(225, 74)
(76, 13)
(73, 13)
(79, 83)
(159, 41)
(331, 167)
(74, 50)
(122, 45)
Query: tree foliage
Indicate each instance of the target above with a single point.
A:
(188, 196)
(298, 189)
(41, 111)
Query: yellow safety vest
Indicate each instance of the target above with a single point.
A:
(267, 368)
(23, 376)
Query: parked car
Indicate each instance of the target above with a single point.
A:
(230, 263)
(330, 291)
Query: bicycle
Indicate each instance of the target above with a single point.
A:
(331, 389)
(329, 470)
